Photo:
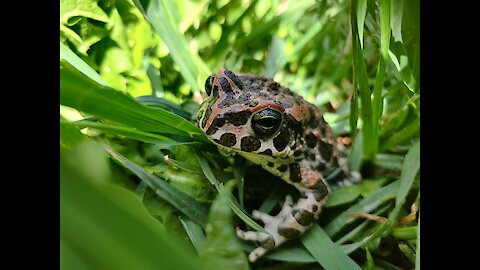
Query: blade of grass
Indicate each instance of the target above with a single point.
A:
(291, 254)
(219, 186)
(396, 19)
(361, 11)
(417, 253)
(194, 232)
(377, 103)
(366, 205)
(112, 219)
(190, 65)
(265, 28)
(69, 135)
(172, 195)
(221, 47)
(155, 102)
(402, 135)
(124, 131)
(409, 171)
(83, 94)
(69, 56)
(361, 85)
(327, 253)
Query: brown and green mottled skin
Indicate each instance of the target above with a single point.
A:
(300, 147)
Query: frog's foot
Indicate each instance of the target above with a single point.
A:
(290, 222)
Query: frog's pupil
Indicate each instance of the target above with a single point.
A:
(266, 122)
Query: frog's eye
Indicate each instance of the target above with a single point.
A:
(266, 122)
(209, 84)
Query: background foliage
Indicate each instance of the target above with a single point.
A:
(142, 188)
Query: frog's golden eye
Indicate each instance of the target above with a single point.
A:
(209, 84)
(266, 122)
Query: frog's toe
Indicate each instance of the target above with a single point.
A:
(264, 217)
(252, 236)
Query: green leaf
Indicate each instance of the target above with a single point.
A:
(366, 205)
(194, 232)
(178, 199)
(377, 103)
(81, 8)
(396, 19)
(360, 82)
(327, 253)
(69, 135)
(417, 253)
(207, 170)
(125, 131)
(291, 254)
(192, 68)
(361, 13)
(409, 171)
(404, 134)
(102, 216)
(221, 248)
(67, 55)
(81, 93)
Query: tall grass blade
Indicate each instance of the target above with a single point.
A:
(361, 85)
(69, 56)
(85, 95)
(366, 205)
(190, 65)
(409, 171)
(327, 253)
(361, 11)
(172, 195)
(377, 104)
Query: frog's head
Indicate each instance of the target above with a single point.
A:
(243, 114)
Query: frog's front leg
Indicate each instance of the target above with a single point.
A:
(292, 221)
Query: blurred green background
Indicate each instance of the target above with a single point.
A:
(139, 181)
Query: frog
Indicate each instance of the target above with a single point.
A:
(277, 129)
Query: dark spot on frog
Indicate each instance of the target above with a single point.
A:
(282, 168)
(274, 86)
(282, 140)
(249, 144)
(293, 124)
(270, 164)
(303, 217)
(234, 78)
(226, 87)
(310, 156)
(297, 153)
(227, 139)
(295, 175)
(267, 152)
(288, 232)
(320, 167)
(320, 191)
(237, 118)
(217, 123)
(326, 150)
(314, 208)
(311, 140)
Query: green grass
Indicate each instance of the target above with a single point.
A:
(142, 188)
